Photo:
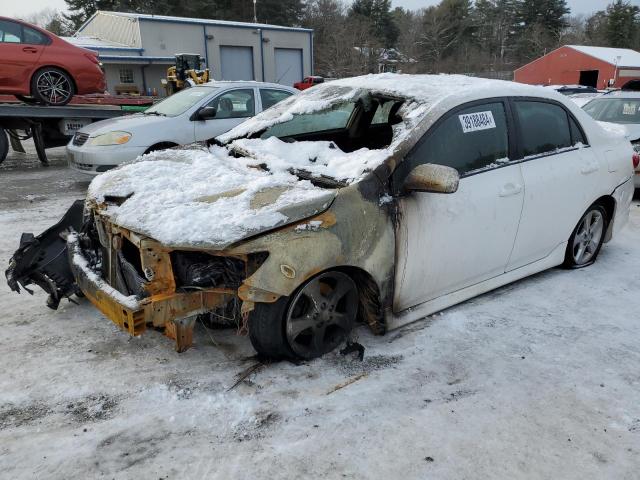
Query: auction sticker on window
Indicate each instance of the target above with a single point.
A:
(629, 109)
(472, 122)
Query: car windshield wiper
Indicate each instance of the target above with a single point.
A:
(318, 180)
(155, 113)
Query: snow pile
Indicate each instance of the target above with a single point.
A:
(318, 158)
(205, 198)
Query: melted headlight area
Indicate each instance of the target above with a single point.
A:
(196, 270)
(162, 287)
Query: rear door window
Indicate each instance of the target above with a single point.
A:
(544, 127)
(470, 140)
(33, 37)
(270, 97)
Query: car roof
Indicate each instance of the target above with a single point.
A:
(621, 94)
(424, 96)
(245, 83)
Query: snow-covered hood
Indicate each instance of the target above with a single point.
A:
(203, 198)
(125, 123)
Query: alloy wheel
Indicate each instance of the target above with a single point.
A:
(321, 314)
(587, 238)
(54, 87)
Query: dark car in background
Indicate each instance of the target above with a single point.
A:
(38, 67)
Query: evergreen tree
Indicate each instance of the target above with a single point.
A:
(622, 24)
(595, 28)
(378, 14)
(540, 25)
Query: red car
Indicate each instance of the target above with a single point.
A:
(38, 66)
(308, 82)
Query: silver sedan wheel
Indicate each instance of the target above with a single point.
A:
(588, 237)
(54, 87)
(321, 314)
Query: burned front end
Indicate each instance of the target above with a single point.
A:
(132, 279)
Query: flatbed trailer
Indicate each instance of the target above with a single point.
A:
(51, 126)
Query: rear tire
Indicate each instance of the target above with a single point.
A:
(587, 238)
(52, 86)
(316, 319)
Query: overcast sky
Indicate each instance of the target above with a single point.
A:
(18, 8)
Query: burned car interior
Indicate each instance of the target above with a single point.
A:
(365, 123)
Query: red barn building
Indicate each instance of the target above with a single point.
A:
(582, 65)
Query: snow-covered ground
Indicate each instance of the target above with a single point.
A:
(537, 380)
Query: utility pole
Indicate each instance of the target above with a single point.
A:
(255, 14)
(615, 72)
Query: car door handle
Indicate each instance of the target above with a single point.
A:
(510, 189)
(30, 49)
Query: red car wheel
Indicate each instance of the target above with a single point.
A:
(52, 86)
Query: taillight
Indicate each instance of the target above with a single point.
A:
(635, 158)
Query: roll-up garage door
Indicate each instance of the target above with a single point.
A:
(237, 62)
(288, 65)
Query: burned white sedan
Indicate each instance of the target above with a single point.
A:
(378, 199)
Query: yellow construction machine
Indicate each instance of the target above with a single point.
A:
(185, 73)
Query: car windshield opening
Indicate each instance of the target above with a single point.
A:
(365, 123)
(180, 102)
(614, 110)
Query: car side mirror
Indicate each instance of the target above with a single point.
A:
(433, 178)
(207, 113)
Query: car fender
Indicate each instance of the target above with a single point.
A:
(356, 232)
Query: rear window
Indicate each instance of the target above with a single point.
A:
(544, 127)
(614, 110)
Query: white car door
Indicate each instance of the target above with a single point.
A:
(232, 108)
(561, 176)
(446, 242)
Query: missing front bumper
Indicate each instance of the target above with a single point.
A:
(172, 311)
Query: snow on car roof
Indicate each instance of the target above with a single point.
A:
(425, 93)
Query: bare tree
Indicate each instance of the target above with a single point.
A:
(50, 19)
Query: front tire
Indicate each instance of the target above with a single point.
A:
(587, 238)
(52, 86)
(316, 319)
(4, 145)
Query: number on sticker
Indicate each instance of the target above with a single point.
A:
(472, 122)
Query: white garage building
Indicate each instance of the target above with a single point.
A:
(136, 49)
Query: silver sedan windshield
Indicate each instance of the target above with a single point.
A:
(180, 102)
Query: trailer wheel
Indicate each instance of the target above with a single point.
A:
(52, 86)
(4, 145)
